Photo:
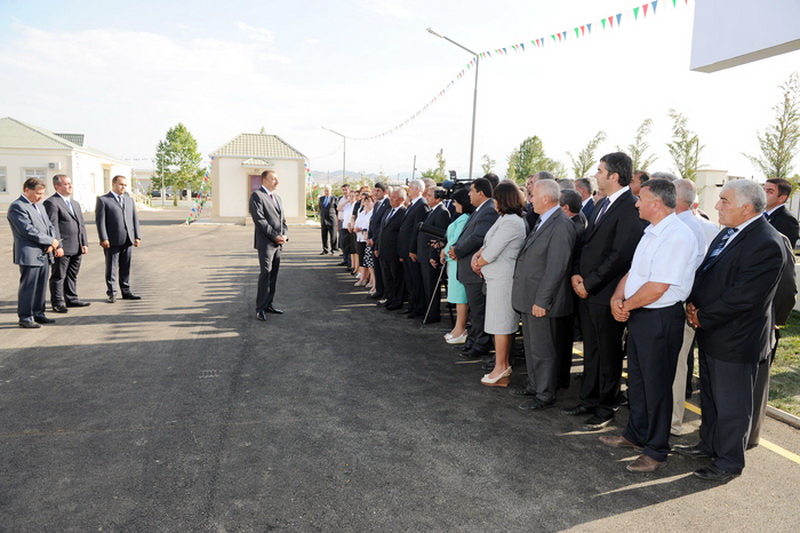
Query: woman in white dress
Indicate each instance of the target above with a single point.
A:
(495, 262)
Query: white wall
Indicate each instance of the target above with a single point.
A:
(231, 187)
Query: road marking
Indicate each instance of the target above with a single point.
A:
(762, 442)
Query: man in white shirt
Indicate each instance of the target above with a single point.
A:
(650, 297)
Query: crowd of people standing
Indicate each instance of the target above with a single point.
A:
(624, 261)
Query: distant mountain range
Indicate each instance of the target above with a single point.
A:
(323, 178)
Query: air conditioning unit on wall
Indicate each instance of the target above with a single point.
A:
(54, 166)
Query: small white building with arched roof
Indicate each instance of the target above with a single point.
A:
(236, 169)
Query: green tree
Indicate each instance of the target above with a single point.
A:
(530, 158)
(488, 163)
(780, 143)
(685, 147)
(178, 161)
(584, 162)
(639, 147)
(438, 174)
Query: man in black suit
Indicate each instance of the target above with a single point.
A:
(328, 220)
(118, 229)
(612, 235)
(778, 191)
(382, 206)
(479, 343)
(386, 251)
(34, 245)
(427, 256)
(406, 246)
(67, 219)
(571, 203)
(271, 234)
(586, 187)
(731, 306)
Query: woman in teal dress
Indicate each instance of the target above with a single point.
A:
(456, 294)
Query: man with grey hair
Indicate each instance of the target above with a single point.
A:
(685, 200)
(328, 221)
(660, 174)
(731, 308)
(407, 248)
(386, 251)
(531, 216)
(650, 299)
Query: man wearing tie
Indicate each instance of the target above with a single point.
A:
(67, 219)
(778, 191)
(266, 210)
(34, 241)
(328, 221)
(731, 308)
(118, 229)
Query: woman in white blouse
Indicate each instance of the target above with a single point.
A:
(361, 225)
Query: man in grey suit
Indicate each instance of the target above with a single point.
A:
(34, 242)
(67, 219)
(543, 296)
(118, 230)
(266, 210)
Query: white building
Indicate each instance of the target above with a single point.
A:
(28, 151)
(236, 170)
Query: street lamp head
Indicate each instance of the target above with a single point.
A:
(432, 32)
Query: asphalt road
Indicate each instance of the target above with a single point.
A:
(181, 412)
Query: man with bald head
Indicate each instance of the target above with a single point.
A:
(731, 308)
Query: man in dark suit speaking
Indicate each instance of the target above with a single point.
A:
(34, 242)
(731, 307)
(266, 210)
(118, 229)
(67, 219)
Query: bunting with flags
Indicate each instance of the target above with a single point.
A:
(613, 21)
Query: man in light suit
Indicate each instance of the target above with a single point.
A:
(34, 242)
(478, 342)
(778, 192)
(271, 234)
(118, 229)
(328, 221)
(731, 306)
(605, 256)
(541, 294)
(66, 216)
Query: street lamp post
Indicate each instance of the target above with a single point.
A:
(474, 98)
(344, 150)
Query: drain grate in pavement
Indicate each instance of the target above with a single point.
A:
(209, 374)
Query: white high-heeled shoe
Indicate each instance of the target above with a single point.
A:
(500, 381)
(461, 339)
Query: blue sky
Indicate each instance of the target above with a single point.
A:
(125, 72)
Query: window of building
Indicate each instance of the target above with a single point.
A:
(3, 182)
(34, 173)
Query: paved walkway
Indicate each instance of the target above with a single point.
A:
(181, 412)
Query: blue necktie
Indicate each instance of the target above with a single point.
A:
(718, 249)
(605, 203)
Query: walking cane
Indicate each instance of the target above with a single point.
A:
(433, 296)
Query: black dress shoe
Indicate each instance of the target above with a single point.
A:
(274, 311)
(472, 355)
(323, 253)
(488, 366)
(375, 296)
(393, 307)
(60, 309)
(693, 451)
(28, 324)
(131, 296)
(535, 404)
(111, 299)
(43, 320)
(341, 264)
(412, 314)
(261, 315)
(522, 392)
(714, 473)
(579, 409)
(78, 303)
(431, 321)
(597, 422)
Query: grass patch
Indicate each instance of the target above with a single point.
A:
(784, 389)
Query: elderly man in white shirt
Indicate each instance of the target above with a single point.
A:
(650, 297)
